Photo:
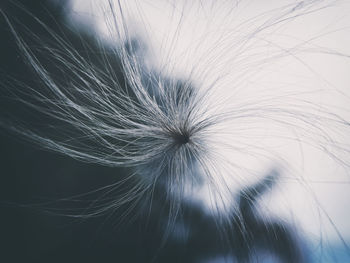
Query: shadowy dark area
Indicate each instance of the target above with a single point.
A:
(34, 182)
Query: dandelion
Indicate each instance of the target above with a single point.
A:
(201, 121)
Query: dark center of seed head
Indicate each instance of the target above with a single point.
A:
(182, 137)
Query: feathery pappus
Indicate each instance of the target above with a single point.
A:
(211, 108)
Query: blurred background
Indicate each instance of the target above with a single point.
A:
(39, 188)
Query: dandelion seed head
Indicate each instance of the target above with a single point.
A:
(219, 96)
